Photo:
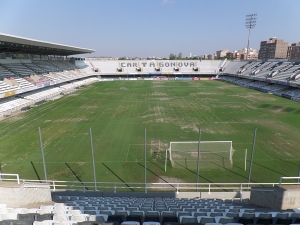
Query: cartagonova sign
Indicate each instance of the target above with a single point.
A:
(174, 64)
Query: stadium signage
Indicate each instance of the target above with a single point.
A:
(160, 64)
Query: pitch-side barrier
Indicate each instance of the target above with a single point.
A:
(145, 187)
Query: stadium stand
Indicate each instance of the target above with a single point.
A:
(184, 211)
(26, 83)
(278, 77)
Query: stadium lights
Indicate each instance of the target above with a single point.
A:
(250, 24)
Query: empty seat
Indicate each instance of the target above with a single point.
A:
(246, 220)
(135, 218)
(151, 219)
(42, 217)
(130, 223)
(107, 212)
(285, 221)
(79, 217)
(86, 223)
(9, 216)
(214, 214)
(63, 223)
(119, 218)
(169, 219)
(137, 213)
(171, 223)
(150, 223)
(33, 210)
(282, 215)
(183, 213)
(152, 213)
(225, 220)
(124, 213)
(47, 207)
(91, 212)
(13, 222)
(188, 219)
(195, 214)
(206, 219)
(45, 222)
(28, 218)
(74, 212)
(232, 214)
(98, 218)
(264, 221)
(61, 217)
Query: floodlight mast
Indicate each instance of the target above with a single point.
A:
(250, 24)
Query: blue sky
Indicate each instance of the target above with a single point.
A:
(151, 27)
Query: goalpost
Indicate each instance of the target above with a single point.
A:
(213, 154)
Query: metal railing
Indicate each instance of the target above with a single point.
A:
(9, 175)
(289, 178)
(145, 187)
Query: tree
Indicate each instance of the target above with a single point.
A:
(179, 55)
(172, 56)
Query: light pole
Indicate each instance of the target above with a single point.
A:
(250, 24)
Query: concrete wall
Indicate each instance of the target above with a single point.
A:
(148, 66)
(212, 195)
(278, 198)
(20, 195)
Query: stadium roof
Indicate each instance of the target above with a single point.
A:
(21, 45)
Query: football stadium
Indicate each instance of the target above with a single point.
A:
(153, 142)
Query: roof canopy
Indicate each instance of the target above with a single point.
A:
(15, 44)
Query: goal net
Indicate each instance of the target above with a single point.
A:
(213, 154)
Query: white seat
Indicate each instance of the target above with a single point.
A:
(98, 217)
(64, 223)
(80, 217)
(74, 212)
(15, 210)
(3, 210)
(61, 217)
(60, 211)
(9, 216)
(45, 222)
(296, 210)
(32, 210)
(43, 211)
(48, 207)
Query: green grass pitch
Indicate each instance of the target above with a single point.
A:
(118, 113)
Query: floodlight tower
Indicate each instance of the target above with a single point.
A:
(250, 24)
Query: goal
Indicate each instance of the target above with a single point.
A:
(213, 154)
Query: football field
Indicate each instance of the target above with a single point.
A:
(118, 113)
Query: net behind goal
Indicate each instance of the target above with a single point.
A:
(213, 154)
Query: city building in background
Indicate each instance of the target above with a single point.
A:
(294, 51)
(221, 53)
(273, 49)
